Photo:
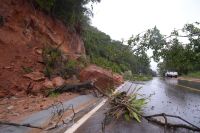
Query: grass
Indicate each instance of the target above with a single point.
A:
(141, 77)
(193, 74)
(54, 94)
(136, 77)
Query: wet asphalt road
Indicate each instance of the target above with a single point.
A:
(166, 97)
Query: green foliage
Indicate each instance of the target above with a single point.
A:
(51, 57)
(71, 12)
(56, 65)
(193, 74)
(126, 105)
(176, 55)
(106, 64)
(46, 4)
(54, 94)
(136, 77)
(141, 77)
(113, 54)
(70, 68)
(128, 75)
(2, 20)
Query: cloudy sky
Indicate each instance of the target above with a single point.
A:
(122, 18)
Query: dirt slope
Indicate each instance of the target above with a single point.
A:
(24, 31)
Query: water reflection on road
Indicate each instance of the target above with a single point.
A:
(172, 99)
(167, 98)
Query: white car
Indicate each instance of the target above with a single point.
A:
(171, 74)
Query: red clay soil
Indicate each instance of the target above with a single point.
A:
(14, 109)
(22, 36)
(24, 32)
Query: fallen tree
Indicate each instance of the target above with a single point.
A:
(72, 87)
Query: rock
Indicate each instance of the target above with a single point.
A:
(16, 114)
(36, 76)
(58, 81)
(14, 98)
(48, 84)
(103, 78)
(37, 88)
(10, 107)
(38, 51)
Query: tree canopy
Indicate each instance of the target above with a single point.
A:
(174, 54)
(71, 12)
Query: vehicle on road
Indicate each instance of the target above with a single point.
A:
(171, 74)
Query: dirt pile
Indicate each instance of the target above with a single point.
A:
(24, 32)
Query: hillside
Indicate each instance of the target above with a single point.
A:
(24, 33)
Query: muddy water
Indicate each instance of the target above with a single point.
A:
(166, 97)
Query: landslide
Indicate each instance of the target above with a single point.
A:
(24, 33)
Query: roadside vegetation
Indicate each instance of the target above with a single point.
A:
(115, 55)
(193, 75)
(170, 51)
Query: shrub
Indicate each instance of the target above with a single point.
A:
(1, 21)
(128, 75)
(51, 57)
(46, 4)
(106, 64)
(71, 67)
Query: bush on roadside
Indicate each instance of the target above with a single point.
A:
(193, 74)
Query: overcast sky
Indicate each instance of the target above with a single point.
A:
(123, 18)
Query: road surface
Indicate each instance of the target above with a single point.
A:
(166, 97)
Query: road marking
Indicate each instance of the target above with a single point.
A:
(193, 89)
(85, 117)
(76, 125)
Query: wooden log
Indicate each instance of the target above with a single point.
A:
(72, 87)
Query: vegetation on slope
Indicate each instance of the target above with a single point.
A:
(100, 48)
(74, 13)
(114, 55)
